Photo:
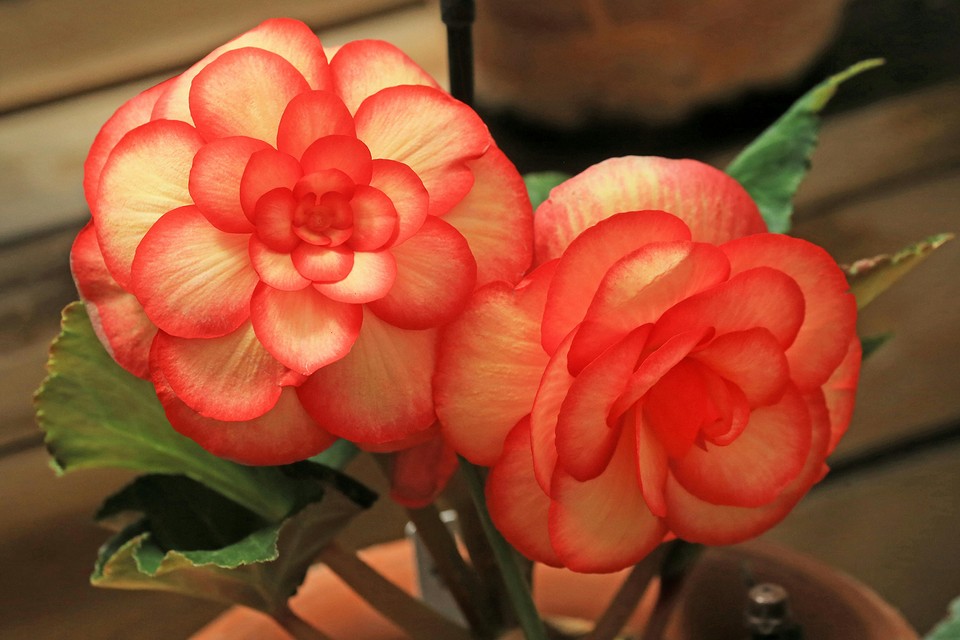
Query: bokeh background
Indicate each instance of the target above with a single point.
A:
(563, 85)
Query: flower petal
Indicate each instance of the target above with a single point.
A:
(428, 131)
(374, 219)
(244, 93)
(275, 268)
(131, 115)
(311, 116)
(830, 311)
(697, 520)
(640, 287)
(436, 274)
(711, 203)
(227, 378)
(283, 435)
(193, 280)
(753, 360)
(402, 185)
(116, 315)
(489, 367)
(215, 181)
(418, 474)
(840, 392)
(760, 297)
(655, 365)
(342, 152)
(266, 171)
(585, 440)
(652, 466)
(290, 39)
(274, 218)
(304, 329)
(361, 397)
(322, 264)
(146, 176)
(371, 277)
(753, 469)
(364, 67)
(496, 219)
(588, 259)
(553, 390)
(518, 506)
(603, 524)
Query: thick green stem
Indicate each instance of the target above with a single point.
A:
(480, 551)
(518, 588)
(625, 602)
(418, 620)
(680, 557)
(457, 576)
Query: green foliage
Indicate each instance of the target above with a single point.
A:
(772, 166)
(96, 414)
(191, 540)
(338, 455)
(870, 344)
(949, 629)
(540, 183)
(872, 276)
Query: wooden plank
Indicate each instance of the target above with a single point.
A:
(912, 382)
(887, 143)
(53, 48)
(42, 150)
(894, 528)
(883, 145)
(48, 543)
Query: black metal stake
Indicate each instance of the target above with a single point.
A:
(458, 15)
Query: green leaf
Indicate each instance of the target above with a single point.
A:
(949, 628)
(540, 183)
(193, 541)
(96, 414)
(870, 277)
(772, 166)
(870, 344)
(338, 455)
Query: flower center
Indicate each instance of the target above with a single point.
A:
(323, 221)
(323, 215)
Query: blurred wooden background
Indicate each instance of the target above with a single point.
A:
(887, 173)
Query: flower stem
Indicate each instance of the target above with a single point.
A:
(418, 620)
(457, 576)
(680, 556)
(297, 627)
(625, 602)
(518, 588)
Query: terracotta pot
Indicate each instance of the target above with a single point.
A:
(567, 61)
(830, 604)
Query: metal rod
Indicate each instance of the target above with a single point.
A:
(459, 15)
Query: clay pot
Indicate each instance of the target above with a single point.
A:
(567, 61)
(830, 604)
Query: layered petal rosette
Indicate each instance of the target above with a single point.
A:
(668, 369)
(277, 235)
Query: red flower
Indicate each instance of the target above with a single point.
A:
(276, 238)
(659, 373)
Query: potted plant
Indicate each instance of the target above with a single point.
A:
(296, 255)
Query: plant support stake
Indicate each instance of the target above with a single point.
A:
(458, 15)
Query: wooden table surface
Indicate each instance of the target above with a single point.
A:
(886, 174)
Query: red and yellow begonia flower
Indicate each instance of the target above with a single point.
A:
(277, 236)
(668, 369)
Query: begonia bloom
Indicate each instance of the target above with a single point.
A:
(668, 369)
(277, 235)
